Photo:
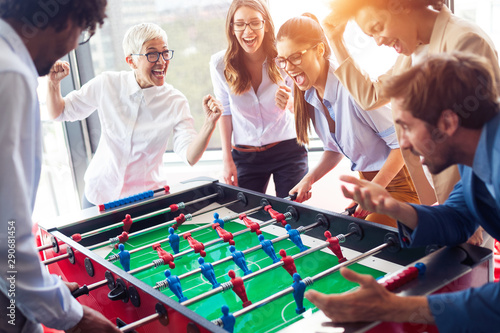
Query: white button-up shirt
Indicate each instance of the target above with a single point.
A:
(364, 137)
(42, 297)
(135, 127)
(256, 119)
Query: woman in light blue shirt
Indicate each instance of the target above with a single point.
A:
(257, 130)
(367, 139)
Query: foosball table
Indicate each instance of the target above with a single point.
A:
(216, 258)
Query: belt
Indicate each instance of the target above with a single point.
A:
(252, 149)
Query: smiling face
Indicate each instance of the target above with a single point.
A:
(150, 74)
(250, 40)
(307, 74)
(397, 30)
(421, 139)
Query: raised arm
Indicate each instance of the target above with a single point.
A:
(55, 101)
(375, 198)
(365, 91)
(213, 110)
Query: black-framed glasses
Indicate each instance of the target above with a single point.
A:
(254, 25)
(294, 58)
(155, 56)
(85, 36)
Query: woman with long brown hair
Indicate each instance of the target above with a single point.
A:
(257, 128)
(367, 139)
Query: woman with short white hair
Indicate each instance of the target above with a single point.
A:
(138, 111)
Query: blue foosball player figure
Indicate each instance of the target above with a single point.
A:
(174, 240)
(207, 269)
(218, 220)
(175, 285)
(299, 288)
(228, 319)
(124, 257)
(239, 259)
(294, 236)
(268, 247)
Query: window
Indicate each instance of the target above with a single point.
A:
(483, 13)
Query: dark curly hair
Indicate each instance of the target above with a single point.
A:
(345, 10)
(86, 14)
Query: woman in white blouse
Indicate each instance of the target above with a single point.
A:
(138, 111)
(257, 130)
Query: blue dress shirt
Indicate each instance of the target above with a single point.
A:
(474, 201)
(365, 137)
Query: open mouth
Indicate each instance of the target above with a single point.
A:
(250, 41)
(299, 78)
(159, 74)
(396, 44)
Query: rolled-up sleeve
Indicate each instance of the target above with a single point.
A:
(219, 83)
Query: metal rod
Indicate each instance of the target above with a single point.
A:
(314, 279)
(252, 249)
(140, 322)
(55, 259)
(253, 274)
(208, 225)
(146, 216)
(44, 247)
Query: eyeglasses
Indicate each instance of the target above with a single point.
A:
(85, 36)
(295, 58)
(155, 56)
(254, 25)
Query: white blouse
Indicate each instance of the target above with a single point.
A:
(136, 124)
(256, 119)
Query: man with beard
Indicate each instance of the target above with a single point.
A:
(33, 35)
(448, 111)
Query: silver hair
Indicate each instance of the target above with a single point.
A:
(137, 35)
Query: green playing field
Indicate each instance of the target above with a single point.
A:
(268, 318)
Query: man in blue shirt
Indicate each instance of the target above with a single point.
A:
(33, 35)
(448, 113)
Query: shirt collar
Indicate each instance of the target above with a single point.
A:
(481, 164)
(331, 88)
(132, 86)
(442, 19)
(17, 45)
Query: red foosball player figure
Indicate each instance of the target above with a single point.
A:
(198, 247)
(239, 288)
(253, 226)
(121, 239)
(334, 246)
(127, 223)
(167, 258)
(225, 235)
(288, 263)
(279, 217)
